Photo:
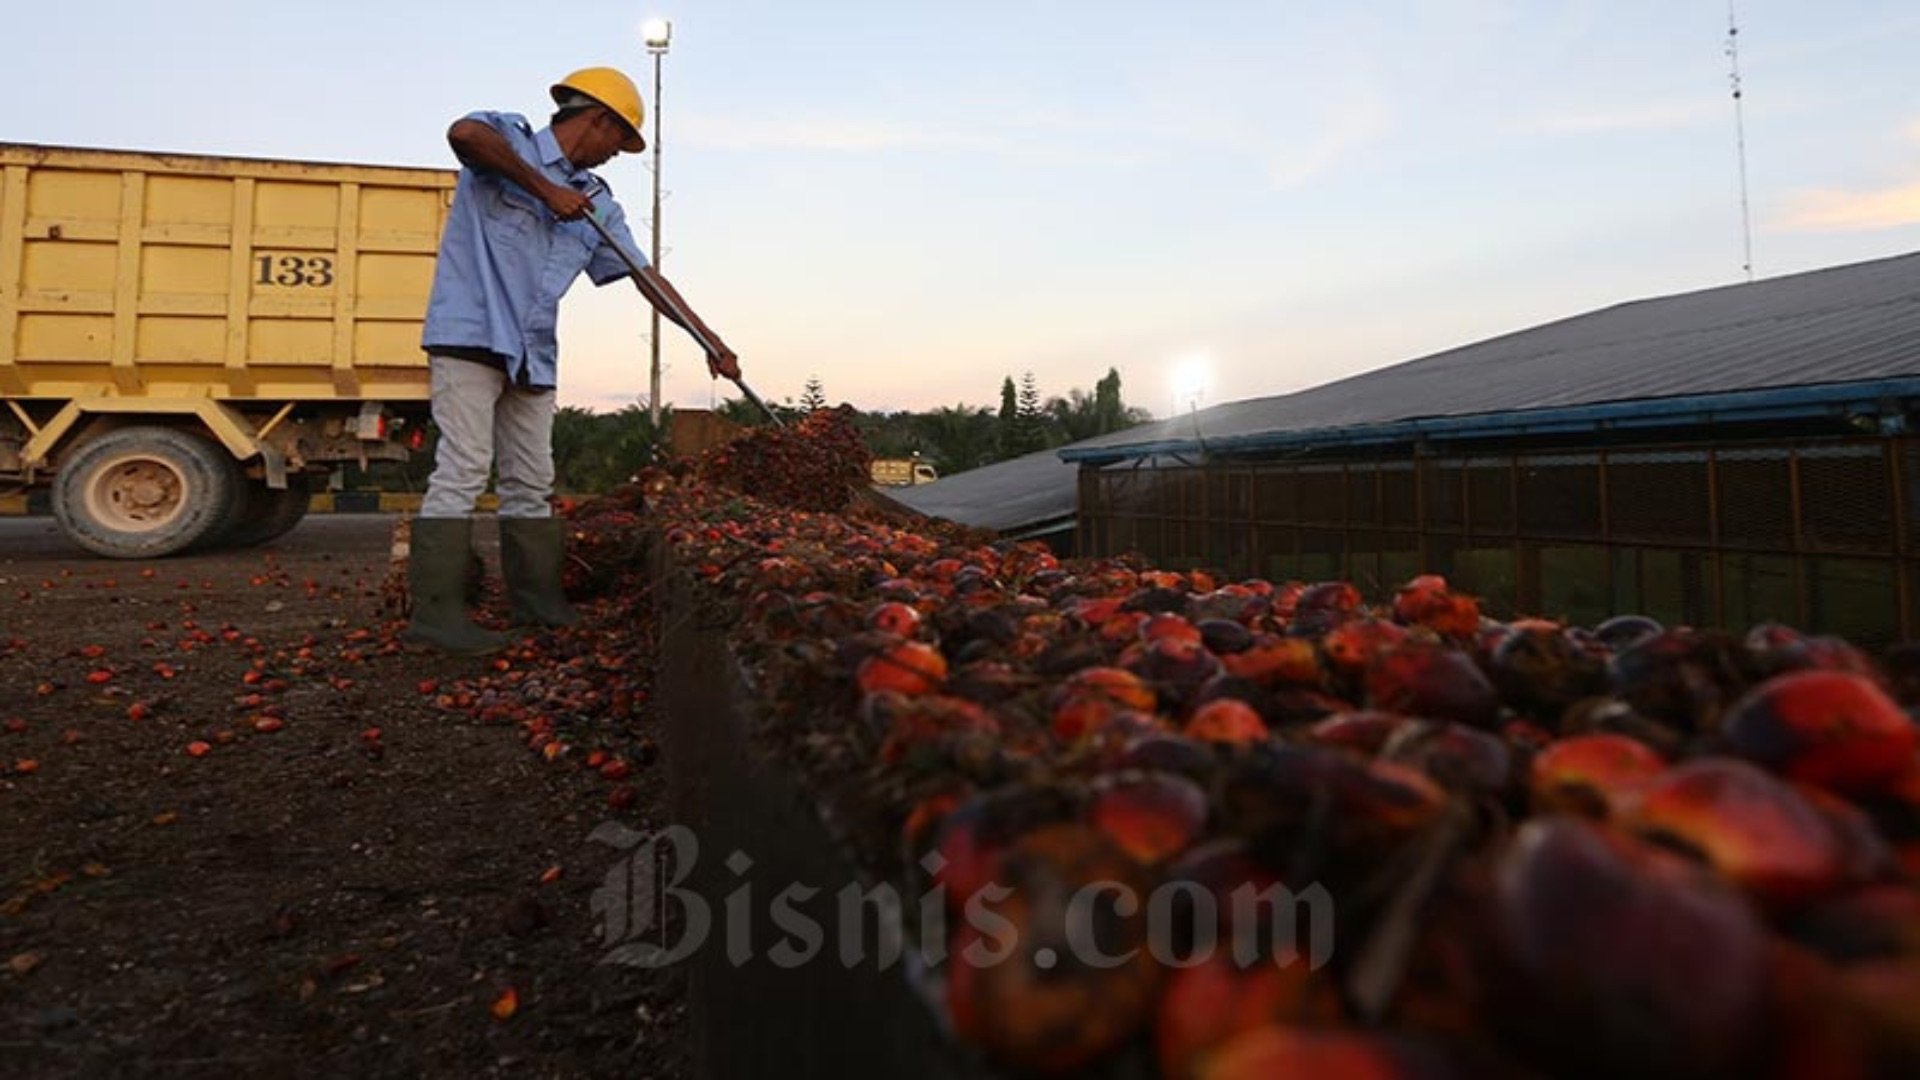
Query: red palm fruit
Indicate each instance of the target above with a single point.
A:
(1079, 716)
(1598, 775)
(1539, 671)
(1090, 697)
(1412, 600)
(1275, 661)
(1427, 601)
(1337, 597)
(1123, 626)
(1432, 681)
(1597, 948)
(1096, 611)
(923, 722)
(971, 840)
(917, 832)
(1755, 830)
(1830, 728)
(1361, 732)
(1226, 720)
(908, 667)
(1206, 1005)
(1286, 599)
(1177, 666)
(1279, 1050)
(1456, 616)
(1353, 646)
(944, 569)
(1460, 758)
(1164, 752)
(1051, 1004)
(1165, 624)
(1165, 579)
(1151, 817)
(894, 617)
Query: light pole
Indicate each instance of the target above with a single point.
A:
(657, 34)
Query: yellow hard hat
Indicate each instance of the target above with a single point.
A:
(612, 89)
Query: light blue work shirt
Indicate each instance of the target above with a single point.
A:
(505, 259)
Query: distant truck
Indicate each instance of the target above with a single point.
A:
(190, 345)
(903, 472)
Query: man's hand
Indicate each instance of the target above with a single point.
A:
(566, 203)
(722, 362)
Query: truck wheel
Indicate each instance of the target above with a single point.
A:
(265, 513)
(144, 492)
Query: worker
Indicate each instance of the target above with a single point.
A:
(515, 240)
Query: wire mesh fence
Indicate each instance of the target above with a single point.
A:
(1816, 533)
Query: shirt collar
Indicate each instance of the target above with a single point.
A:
(551, 154)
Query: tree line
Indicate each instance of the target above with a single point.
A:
(955, 438)
(595, 451)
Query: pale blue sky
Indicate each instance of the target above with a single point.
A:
(912, 200)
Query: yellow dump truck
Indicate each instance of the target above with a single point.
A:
(902, 472)
(189, 345)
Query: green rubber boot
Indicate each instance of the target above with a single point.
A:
(532, 553)
(436, 577)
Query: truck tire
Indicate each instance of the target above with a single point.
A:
(145, 492)
(264, 513)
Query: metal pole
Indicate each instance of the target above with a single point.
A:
(653, 369)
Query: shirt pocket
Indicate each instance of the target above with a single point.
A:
(573, 246)
(515, 212)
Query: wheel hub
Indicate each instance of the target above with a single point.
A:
(137, 494)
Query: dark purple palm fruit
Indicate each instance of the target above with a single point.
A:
(1684, 678)
(1608, 957)
(1540, 672)
(1433, 681)
(1462, 759)
(1322, 607)
(1626, 631)
(1777, 648)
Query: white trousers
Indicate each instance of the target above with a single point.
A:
(483, 418)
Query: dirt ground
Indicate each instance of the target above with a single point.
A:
(378, 886)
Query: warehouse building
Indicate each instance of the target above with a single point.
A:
(1030, 497)
(1717, 458)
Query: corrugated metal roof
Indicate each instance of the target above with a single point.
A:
(1854, 323)
(1006, 496)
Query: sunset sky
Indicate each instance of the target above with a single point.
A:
(913, 200)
